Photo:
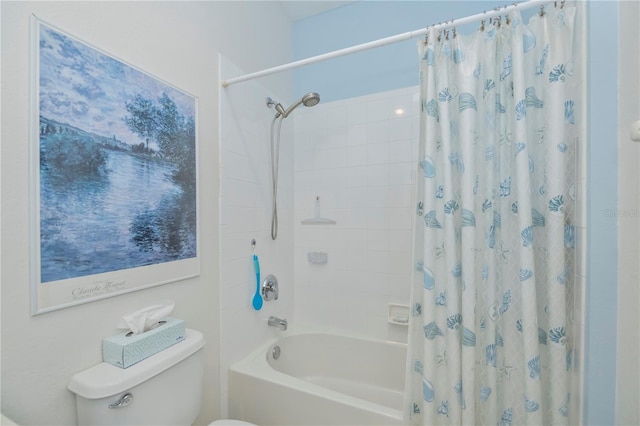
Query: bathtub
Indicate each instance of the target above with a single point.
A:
(320, 379)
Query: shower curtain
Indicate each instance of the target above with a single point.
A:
(490, 335)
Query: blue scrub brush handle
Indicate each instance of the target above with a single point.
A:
(256, 264)
(257, 299)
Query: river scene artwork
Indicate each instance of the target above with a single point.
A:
(117, 172)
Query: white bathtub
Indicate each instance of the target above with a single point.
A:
(320, 379)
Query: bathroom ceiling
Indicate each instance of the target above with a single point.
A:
(301, 9)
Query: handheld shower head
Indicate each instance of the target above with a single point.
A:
(311, 99)
(308, 100)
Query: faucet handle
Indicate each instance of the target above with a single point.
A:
(270, 288)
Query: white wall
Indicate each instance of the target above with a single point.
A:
(359, 157)
(179, 43)
(245, 214)
(628, 351)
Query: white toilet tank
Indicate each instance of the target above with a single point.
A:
(165, 389)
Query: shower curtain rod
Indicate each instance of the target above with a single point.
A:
(388, 40)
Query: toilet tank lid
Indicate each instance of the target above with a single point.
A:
(104, 380)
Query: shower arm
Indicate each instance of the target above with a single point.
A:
(289, 110)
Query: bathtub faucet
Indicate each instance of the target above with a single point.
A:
(277, 322)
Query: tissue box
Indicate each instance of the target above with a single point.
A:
(123, 351)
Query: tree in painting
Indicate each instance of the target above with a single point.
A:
(173, 132)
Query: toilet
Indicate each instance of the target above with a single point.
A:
(164, 389)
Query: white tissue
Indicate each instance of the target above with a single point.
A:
(146, 318)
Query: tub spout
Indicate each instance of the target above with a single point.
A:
(277, 322)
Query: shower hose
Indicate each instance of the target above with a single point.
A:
(275, 160)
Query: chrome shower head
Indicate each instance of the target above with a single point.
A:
(311, 99)
(308, 100)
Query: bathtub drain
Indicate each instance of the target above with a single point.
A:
(275, 352)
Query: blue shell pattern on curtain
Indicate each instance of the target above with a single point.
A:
(498, 134)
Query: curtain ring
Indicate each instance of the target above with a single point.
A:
(508, 20)
(454, 32)
(562, 4)
(482, 25)
(541, 13)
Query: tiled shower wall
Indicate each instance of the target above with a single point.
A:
(358, 157)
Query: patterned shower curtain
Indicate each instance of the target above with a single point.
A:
(490, 337)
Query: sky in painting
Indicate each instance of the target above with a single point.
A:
(86, 88)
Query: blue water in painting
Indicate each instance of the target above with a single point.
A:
(132, 215)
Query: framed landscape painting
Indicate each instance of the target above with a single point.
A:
(114, 175)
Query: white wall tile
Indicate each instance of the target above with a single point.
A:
(336, 137)
(378, 175)
(400, 218)
(377, 110)
(400, 195)
(377, 218)
(400, 128)
(356, 113)
(367, 185)
(377, 153)
(400, 106)
(378, 132)
(401, 240)
(377, 196)
(357, 134)
(377, 239)
(401, 151)
(337, 116)
(356, 156)
(402, 174)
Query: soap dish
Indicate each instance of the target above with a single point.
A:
(319, 258)
(317, 220)
(398, 315)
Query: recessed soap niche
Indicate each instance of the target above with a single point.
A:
(398, 314)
